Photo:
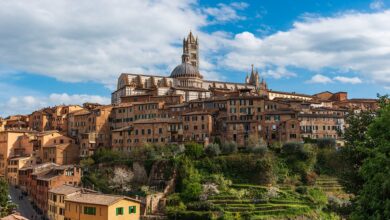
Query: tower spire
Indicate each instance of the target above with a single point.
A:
(191, 48)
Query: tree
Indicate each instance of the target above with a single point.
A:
(229, 147)
(256, 145)
(191, 188)
(355, 150)
(213, 150)
(299, 158)
(194, 150)
(373, 199)
(326, 143)
(6, 206)
(122, 179)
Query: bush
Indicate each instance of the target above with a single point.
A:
(301, 189)
(318, 197)
(201, 206)
(229, 147)
(309, 178)
(261, 150)
(299, 158)
(213, 150)
(326, 143)
(191, 215)
(194, 150)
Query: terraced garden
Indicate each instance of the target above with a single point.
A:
(331, 186)
(258, 204)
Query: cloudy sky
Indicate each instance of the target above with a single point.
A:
(69, 51)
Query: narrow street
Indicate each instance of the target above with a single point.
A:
(24, 206)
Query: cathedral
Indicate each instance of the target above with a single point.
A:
(185, 80)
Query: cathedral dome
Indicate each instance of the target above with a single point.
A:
(185, 70)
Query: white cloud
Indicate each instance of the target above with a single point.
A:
(277, 73)
(97, 40)
(28, 104)
(224, 13)
(377, 4)
(318, 78)
(351, 42)
(351, 80)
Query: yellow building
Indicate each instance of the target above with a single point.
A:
(89, 206)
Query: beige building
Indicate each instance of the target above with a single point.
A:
(9, 141)
(91, 206)
(14, 165)
(53, 146)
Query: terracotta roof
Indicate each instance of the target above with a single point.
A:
(199, 113)
(65, 189)
(99, 199)
(123, 128)
(40, 166)
(290, 93)
(155, 120)
(43, 133)
(191, 89)
(81, 112)
(14, 217)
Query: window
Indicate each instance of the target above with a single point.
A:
(119, 211)
(89, 210)
(132, 209)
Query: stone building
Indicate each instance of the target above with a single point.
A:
(91, 128)
(185, 80)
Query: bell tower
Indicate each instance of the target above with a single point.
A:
(191, 47)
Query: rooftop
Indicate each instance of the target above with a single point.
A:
(65, 189)
(98, 199)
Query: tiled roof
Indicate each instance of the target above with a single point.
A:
(99, 199)
(65, 189)
(14, 217)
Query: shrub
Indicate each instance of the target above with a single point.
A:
(229, 147)
(318, 197)
(298, 157)
(256, 145)
(309, 178)
(261, 150)
(301, 189)
(194, 150)
(326, 143)
(221, 181)
(213, 150)
(201, 206)
(191, 215)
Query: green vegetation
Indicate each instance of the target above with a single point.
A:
(6, 206)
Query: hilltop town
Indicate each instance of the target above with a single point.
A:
(45, 154)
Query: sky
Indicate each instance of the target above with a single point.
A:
(70, 52)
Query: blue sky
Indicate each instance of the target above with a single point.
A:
(63, 52)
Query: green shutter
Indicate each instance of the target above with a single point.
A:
(134, 209)
(117, 211)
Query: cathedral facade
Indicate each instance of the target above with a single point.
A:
(185, 80)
